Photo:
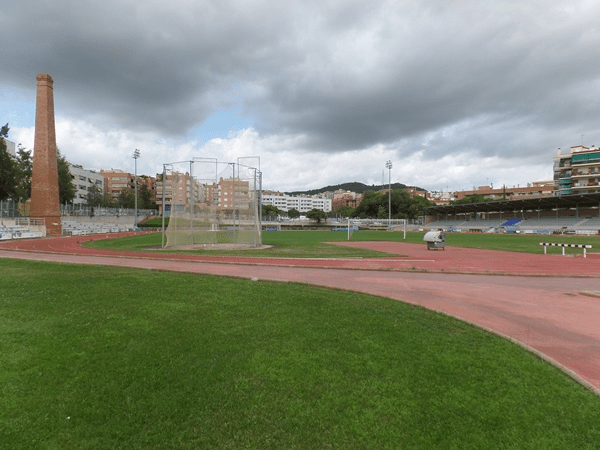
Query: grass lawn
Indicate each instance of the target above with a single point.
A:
(313, 244)
(95, 357)
(285, 244)
(527, 243)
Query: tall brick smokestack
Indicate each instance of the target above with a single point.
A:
(45, 201)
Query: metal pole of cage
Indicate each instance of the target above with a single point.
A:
(191, 203)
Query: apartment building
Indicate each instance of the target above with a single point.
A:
(345, 198)
(11, 148)
(299, 203)
(115, 180)
(577, 172)
(232, 193)
(177, 190)
(416, 192)
(84, 180)
(536, 189)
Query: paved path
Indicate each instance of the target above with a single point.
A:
(558, 317)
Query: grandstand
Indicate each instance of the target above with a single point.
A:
(578, 214)
(543, 225)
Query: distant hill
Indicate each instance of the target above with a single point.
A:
(354, 187)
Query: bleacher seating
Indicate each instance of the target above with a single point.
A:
(446, 225)
(542, 225)
(588, 226)
(549, 224)
(511, 222)
(73, 228)
(466, 225)
(482, 224)
(69, 227)
(17, 232)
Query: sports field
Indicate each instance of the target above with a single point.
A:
(98, 357)
(312, 244)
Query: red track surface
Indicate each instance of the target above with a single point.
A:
(550, 310)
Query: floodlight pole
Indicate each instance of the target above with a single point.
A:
(388, 164)
(164, 182)
(136, 155)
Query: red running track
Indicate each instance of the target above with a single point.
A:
(413, 257)
(554, 310)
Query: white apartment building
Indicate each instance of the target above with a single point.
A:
(11, 148)
(83, 180)
(301, 204)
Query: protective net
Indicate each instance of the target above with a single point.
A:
(351, 228)
(213, 205)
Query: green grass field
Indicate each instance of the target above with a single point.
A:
(312, 244)
(96, 357)
(290, 244)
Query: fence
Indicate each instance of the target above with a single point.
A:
(92, 211)
(8, 208)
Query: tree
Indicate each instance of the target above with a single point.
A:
(126, 198)
(316, 215)
(66, 188)
(344, 211)
(145, 197)
(7, 168)
(369, 205)
(23, 178)
(418, 206)
(475, 198)
(95, 197)
(376, 205)
(293, 213)
(401, 204)
(270, 211)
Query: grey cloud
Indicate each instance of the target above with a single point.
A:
(347, 75)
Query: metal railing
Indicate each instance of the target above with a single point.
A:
(92, 211)
(28, 221)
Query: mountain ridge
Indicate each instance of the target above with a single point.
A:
(354, 186)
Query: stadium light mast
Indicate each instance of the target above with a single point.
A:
(136, 155)
(388, 164)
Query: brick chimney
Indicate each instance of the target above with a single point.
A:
(44, 178)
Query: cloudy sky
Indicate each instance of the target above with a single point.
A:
(456, 93)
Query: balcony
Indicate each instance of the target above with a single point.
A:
(585, 186)
(581, 174)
